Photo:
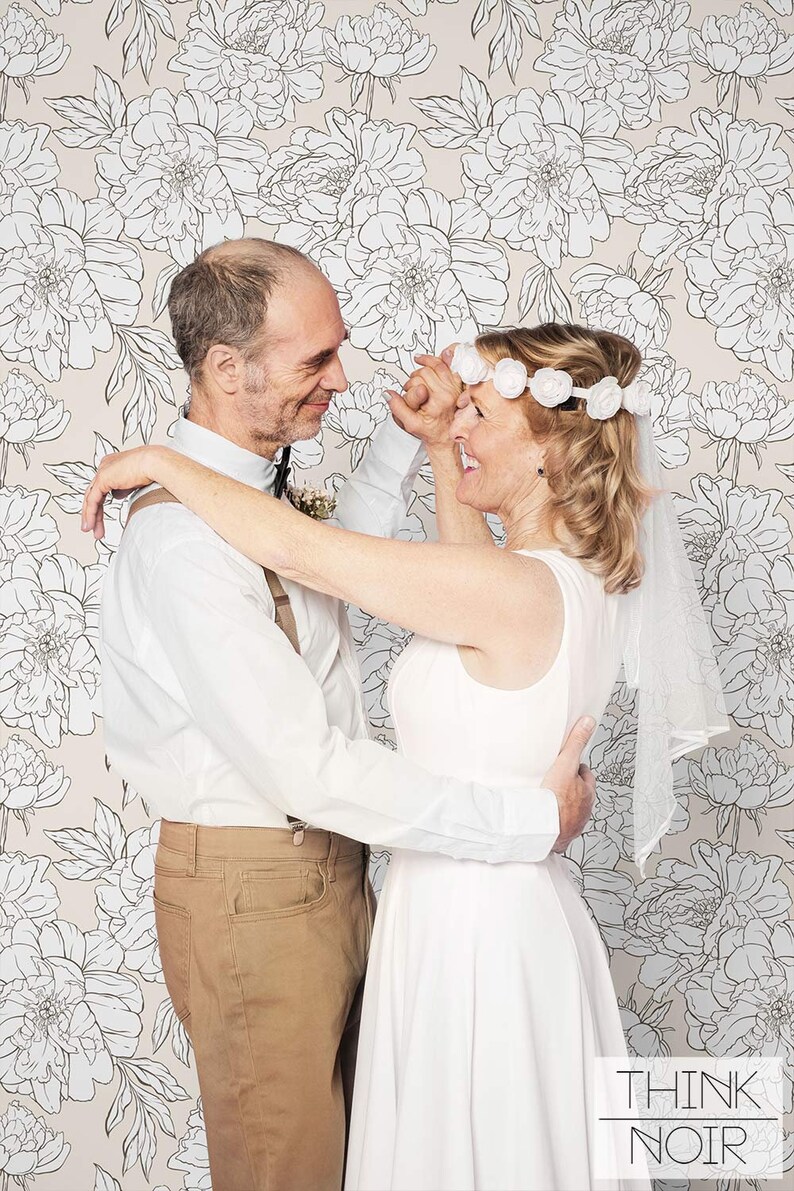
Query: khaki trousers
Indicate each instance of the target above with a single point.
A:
(263, 943)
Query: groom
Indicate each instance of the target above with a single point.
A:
(235, 708)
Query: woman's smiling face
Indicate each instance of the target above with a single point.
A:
(500, 455)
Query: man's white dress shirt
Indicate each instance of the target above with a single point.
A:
(213, 718)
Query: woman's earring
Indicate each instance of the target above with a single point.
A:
(541, 472)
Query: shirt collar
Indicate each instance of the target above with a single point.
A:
(219, 453)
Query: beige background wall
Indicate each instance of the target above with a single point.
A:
(648, 142)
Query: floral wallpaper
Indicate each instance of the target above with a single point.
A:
(451, 166)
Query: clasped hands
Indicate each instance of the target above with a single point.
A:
(428, 402)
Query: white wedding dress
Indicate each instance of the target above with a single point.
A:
(488, 992)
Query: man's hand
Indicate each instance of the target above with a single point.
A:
(573, 784)
(427, 405)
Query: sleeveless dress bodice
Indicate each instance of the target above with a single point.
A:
(450, 723)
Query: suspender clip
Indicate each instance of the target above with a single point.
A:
(298, 830)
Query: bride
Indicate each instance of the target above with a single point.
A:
(488, 994)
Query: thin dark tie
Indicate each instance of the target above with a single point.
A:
(282, 473)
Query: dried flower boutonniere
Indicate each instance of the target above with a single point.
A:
(315, 502)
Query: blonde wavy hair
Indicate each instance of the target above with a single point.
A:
(595, 489)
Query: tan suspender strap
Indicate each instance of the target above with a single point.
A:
(158, 497)
(285, 617)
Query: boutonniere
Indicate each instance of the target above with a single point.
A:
(315, 502)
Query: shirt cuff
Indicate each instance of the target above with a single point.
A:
(396, 448)
(534, 816)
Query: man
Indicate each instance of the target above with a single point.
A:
(230, 718)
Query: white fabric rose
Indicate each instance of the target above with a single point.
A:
(637, 398)
(510, 378)
(469, 364)
(605, 398)
(550, 387)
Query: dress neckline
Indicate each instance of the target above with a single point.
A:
(559, 552)
(538, 550)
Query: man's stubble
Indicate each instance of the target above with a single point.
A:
(274, 420)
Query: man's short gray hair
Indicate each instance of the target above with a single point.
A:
(222, 297)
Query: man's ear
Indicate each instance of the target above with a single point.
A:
(223, 366)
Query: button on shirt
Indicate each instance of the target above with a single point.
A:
(214, 718)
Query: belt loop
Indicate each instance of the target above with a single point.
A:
(192, 832)
(332, 853)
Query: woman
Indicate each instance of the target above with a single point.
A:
(488, 992)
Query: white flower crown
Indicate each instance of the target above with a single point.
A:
(551, 386)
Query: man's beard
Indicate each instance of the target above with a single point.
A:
(284, 428)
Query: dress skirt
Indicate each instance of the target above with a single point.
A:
(488, 999)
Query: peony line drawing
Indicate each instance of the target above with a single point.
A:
(181, 170)
(88, 1011)
(742, 417)
(28, 415)
(28, 50)
(744, 48)
(670, 399)
(68, 282)
(308, 187)
(680, 915)
(678, 185)
(753, 621)
(49, 668)
(618, 300)
(378, 48)
(739, 278)
(29, 782)
(549, 171)
(415, 270)
(355, 413)
(642, 1025)
(28, 1147)
(191, 1157)
(123, 862)
(634, 56)
(266, 57)
(27, 895)
(592, 864)
(732, 1004)
(741, 783)
(25, 525)
(725, 524)
(24, 158)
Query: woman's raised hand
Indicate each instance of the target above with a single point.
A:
(427, 405)
(118, 475)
